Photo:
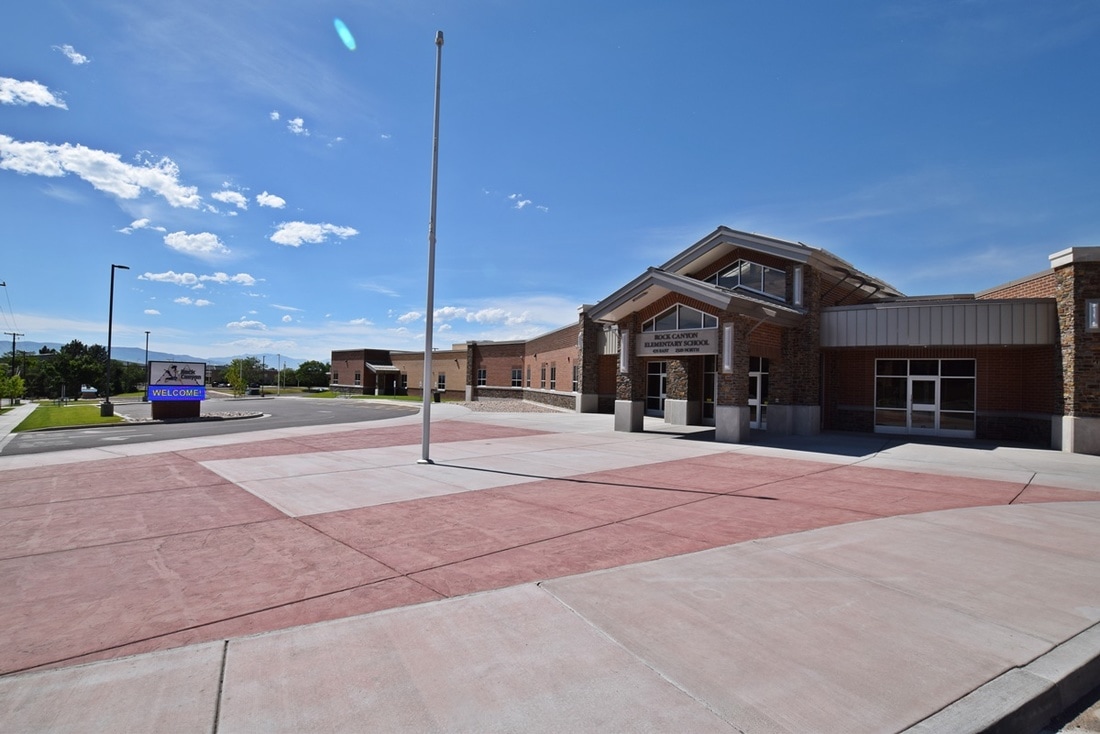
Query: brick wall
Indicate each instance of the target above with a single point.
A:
(497, 359)
(1040, 285)
(450, 362)
(1017, 388)
(556, 349)
(346, 362)
(796, 378)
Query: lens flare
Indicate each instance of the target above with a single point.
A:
(345, 34)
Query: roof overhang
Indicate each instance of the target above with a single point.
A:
(377, 368)
(655, 284)
(719, 243)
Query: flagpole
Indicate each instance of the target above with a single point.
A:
(427, 384)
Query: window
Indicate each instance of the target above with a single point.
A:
(553, 376)
(528, 375)
(930, 396)
(404, 381)
(576, 378)
(760, 278)
(681, 317)
(335, 377)
(358, 378)
(481, 376)
(517, 377)
(441, 382)
(542, 377)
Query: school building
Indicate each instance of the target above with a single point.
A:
(746, 333)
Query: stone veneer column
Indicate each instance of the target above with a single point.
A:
(1077, 280)
(795, 402)
(629, 384)
(680, 408)
(588, 356)
(471, 371)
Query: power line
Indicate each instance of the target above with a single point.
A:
(12, 334)
(11, 325)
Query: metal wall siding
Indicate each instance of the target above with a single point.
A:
(963, 324)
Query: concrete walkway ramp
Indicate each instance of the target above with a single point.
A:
(874, 626)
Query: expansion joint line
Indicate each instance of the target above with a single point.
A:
(221, 688)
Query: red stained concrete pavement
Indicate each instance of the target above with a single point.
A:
(112, 557)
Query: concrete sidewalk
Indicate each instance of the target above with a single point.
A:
(545, 574)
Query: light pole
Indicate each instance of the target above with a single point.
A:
(427, 411)
(145, 397)
(107, 409)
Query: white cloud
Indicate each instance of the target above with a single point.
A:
(239, 278)
(140, 224)
(13, 91)
(184, 279)
(151, 312)
(481, 316)
(199, 244)
(274, 115)
(297, 126)
(73, 55)
(191, 280)
(519, 202)
(231, 197)
(104, 171)
(246, 324)
(361, 322)
(409, 317)
(285, 308)
(200, 302)
(270, 200)
(294, 234)
(287, 319)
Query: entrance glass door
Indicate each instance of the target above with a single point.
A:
(710, 388)
(656, 372)
(926, 396)
(924, 404)
(758, 392)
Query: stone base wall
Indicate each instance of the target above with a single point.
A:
(556, 399)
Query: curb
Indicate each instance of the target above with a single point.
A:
(1024, 700)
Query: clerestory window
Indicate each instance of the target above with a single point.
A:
(760, 278)
(678, 318)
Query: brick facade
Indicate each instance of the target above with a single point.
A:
(1022, 391)
(1040, 285)
(1016, 388)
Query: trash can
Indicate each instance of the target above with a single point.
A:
(437, 396)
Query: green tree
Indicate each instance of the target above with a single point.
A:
(312, 373)
(11, 388)
(242, 372)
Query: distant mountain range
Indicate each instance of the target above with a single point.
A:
(137, 355)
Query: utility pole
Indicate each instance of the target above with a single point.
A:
(12, 334)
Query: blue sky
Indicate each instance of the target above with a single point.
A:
(269, 188)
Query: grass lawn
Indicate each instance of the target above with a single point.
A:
(53, 416)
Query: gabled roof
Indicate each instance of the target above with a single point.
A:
(721, 241)
(655, 284)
